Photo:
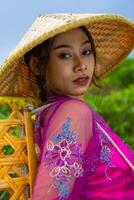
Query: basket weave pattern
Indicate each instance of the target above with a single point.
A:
(17, 170)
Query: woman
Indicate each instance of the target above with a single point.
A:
(80, 156)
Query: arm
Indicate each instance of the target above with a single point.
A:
(61, 163)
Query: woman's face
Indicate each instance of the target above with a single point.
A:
(70, 58)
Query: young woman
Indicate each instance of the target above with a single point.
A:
(80, 156)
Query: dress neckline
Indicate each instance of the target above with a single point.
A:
(56, 97)
(52, 100)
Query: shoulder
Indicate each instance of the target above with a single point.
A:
(75, 106)
(76, 103)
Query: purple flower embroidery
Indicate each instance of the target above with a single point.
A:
(64, 157)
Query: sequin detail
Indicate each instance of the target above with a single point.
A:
(64, 159)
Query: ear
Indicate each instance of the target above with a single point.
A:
(34, 64)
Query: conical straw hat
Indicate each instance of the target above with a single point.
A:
(113, 37)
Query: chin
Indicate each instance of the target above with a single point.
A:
(82, 91)
(79, 94)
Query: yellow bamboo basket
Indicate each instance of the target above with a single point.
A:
(17, 167)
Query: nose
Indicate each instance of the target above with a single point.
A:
(79, 64)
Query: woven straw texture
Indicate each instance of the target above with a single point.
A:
(113, 37)
(17, 168)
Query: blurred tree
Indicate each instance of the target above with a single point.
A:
(115, 100)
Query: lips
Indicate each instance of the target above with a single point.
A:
(81, 81)
(82, 78)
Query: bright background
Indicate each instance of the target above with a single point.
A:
(17, 15)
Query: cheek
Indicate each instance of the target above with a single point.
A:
(91, 69)
(58, 75)
(63, 71)
(91, 65)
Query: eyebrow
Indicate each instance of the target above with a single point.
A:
(69, 46)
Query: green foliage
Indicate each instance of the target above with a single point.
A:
(4, 111)
(8, 150)
(115, 101)
(4, 195)
(122, 76)
(16, 132)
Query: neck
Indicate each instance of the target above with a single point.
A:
(54, 97)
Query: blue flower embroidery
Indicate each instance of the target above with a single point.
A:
(65, 133)
(105, 154)
(62, 183)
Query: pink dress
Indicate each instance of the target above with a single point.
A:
(77, 161)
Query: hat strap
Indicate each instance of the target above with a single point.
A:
(34, 111)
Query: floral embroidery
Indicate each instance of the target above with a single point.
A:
(105, 153)
(101, 151)
(62, 184)
(64, 156)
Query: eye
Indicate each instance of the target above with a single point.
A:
(64, 55)
(87, 52)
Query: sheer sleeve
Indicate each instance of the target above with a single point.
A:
(61, 164)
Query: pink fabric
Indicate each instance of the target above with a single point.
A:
(77, 162)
